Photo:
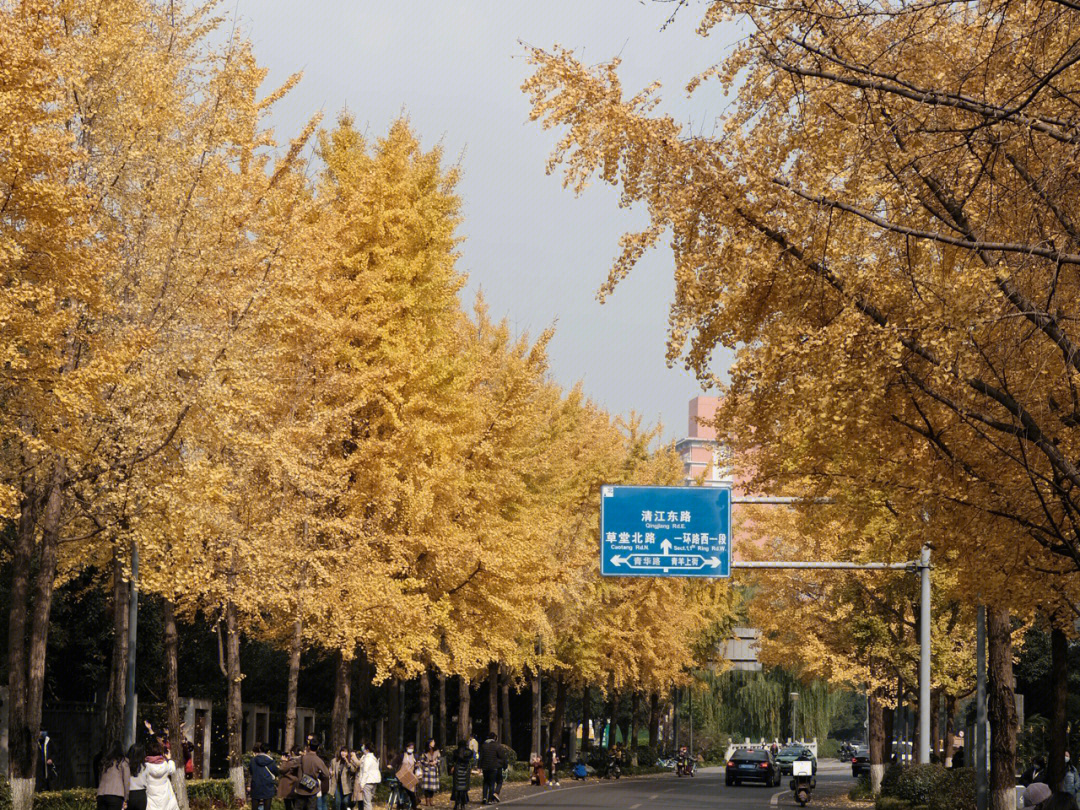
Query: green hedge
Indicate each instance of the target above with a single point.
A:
(931, 786)
(203, 794)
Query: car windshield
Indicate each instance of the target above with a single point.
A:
(791, 752)
(755, 756)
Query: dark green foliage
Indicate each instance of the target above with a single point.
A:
(208, 794)
(930, 786)
(75, 799)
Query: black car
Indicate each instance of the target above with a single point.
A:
(860, 761)
(752, 765)
(791, 753)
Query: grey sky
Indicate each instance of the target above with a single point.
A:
(538, 253)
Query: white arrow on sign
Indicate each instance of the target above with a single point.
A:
(665, 547)
(617, 560)
(713, 561)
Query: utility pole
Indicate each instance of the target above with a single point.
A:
(794, 703)
(924, 656)
(133, 625)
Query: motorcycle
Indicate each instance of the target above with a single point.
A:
(802, 780)
(614, 770)
(684, 766)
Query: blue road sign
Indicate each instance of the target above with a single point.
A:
(665, 531)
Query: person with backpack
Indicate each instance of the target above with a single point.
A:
(312, 778)
(461, 773)
(263, 773)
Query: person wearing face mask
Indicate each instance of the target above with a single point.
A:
(404, 767)
(1071, 784)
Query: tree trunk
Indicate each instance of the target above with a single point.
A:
(493, 698)
(876, 734)
(586, 718)
(507, 733)
(393, 720)
(535, 743)
(423, 725)
(654, 721)
(235, 706)
(635, 709)
(442, 711)
(172, 701)
(558, 718)
(464, 709)
(27, 656)
(339, 714)
(117, 695)
(1059, 693)
(888, 720)
(613, 715)
(295, 645)
(950, 729)
(1001, 710)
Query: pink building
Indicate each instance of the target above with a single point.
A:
(703, 459)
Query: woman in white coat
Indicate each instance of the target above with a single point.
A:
(159, 769)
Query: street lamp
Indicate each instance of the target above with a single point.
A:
(794, 702)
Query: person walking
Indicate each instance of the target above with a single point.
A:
(159, 791)
(490, 766)
(343, 777)
(312, 778)
(114, 779)
(367, 777)
(552, 762)
(137, 783)
(263, 773)
(461, 773)
(430, 761)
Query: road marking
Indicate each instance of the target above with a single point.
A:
(635, 806)
(776, 798)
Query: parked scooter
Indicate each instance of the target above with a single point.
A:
(802, 780)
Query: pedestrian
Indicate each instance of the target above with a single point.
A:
(429, 772)
(958, 757)
(553, 767)
(536, 764)
(114, 779)
(312, 778)
(137, 782)
(159, 791)
(1034, 773)
(461, 774)
(503, 769)
(263, 773)
(1071, 784)
(368, 776)
(46, 766)
(404, 768)
(342, 778)
(490, 767)
(289, 773)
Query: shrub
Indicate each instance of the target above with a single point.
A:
(861, 792)
(210, 794)
(957, 792)
(74, 799)
(828, 749)
(918, 784)
(647, 756)
(5, 793)
(891, 803)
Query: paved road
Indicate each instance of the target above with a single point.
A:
(706, 790)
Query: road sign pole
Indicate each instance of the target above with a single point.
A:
(924, 656)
